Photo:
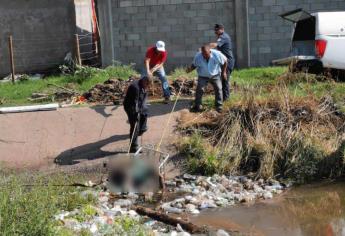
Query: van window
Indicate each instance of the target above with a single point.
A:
(305, 30)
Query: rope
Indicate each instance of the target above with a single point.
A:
(171, 113)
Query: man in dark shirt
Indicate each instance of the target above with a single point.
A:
(224, 45)
(136, 109)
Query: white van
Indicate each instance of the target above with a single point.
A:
(318, 42)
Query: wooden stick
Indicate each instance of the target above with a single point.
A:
(10, 44)
(66, 89)
(78, 49)
(167, 219)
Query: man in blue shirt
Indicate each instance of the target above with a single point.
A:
(224, 45)
(211, 66)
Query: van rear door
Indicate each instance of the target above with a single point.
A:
(296, 15)
(303, 40)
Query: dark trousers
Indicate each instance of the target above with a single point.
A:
(138, 125)
(217, 85)
(226, 86)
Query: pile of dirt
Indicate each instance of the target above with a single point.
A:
(111, 91)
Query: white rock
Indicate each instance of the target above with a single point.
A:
(183, 234)
(93, 228)
(190, 207)
(123, 202)
(195, 212)
(132, 213)
(222, 233)
(179, 228)
(268, 195)
(195, 191)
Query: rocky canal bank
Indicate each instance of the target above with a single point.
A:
(114, 214)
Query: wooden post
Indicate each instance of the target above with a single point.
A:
(78, 49)
(10, 44)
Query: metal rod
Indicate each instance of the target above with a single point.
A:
(10, 44)
(78, 49)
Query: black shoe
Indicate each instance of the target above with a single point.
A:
(167, 100)
(219, 109)
(196, 109)
(141, 132)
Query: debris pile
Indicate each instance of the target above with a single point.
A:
(217, 191)
(111, 91)
(188, 87)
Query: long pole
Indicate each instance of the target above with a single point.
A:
(10, 44)
(78, 49)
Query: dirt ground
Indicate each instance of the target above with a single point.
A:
(77, 136)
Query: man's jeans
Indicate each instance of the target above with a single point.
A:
(162, 77)
(217, 85)
(226, 86)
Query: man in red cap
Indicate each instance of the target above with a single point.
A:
(155, 58)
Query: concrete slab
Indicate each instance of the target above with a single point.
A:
(73, 135)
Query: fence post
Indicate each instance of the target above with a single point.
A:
(78, 49)
(10, 45)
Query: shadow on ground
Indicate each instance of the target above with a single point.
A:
(159, 109)
(89, 151)
(93, 151)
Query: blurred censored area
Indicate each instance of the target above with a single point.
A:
(136, 173)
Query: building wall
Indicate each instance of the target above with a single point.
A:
(259, 34)
(43, 32)
(185, 25)
(270, 36)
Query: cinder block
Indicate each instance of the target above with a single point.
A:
(268, 2)
(133, 36)
(125, 3)
(264, 50)
(204, 26)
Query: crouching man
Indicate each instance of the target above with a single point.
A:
(136, 109)
(211, 67)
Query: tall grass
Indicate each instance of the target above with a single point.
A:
(29, 202)
(279, 136)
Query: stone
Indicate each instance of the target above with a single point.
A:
(221, 232)
(103, 199)
(268, 195)
(93, 228)
(170, 183)
(190, 207)
(123, 202)
(195, 191)
(189, 177)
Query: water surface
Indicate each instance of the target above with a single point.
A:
(302, 211)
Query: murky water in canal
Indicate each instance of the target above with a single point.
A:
(306, 210)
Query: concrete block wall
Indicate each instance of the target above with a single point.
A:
(270, 36)
(43, 32)
(183, 24)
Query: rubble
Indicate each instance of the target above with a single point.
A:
(198, 193)
(217, 191)
(111, 91)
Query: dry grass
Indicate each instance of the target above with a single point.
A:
(278, 136)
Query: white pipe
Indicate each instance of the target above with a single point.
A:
(46, 107)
